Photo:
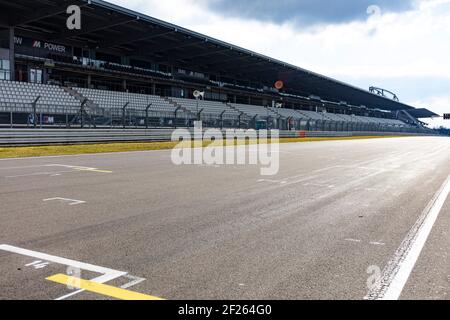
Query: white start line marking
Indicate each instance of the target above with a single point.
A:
(107, 274)
(72, 202)
(396, 273)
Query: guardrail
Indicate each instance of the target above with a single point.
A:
(18, 137)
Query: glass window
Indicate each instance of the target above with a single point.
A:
(39, 76)
(32, 75)
(5, 65)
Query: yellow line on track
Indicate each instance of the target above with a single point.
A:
(100, 288)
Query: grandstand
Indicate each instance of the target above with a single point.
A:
(21, 94)
(117, 100)
(125, 65)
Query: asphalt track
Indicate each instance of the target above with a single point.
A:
(335, 212)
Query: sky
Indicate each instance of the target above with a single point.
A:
(401, 45)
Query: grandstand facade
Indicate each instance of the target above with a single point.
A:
(123, 68)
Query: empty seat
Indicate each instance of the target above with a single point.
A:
(23, 94)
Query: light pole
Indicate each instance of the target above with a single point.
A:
(197, 95)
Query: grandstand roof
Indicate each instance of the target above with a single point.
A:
(110, 28)
(422, 113)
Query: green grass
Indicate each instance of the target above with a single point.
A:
(57, 150)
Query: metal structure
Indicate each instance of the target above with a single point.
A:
(383, 92)
(128, 117)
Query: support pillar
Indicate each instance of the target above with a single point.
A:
(12, 62)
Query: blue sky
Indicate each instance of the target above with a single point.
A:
(400, 45)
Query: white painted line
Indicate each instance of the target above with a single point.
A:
(59, 260)
(80, 168)
(33, 263)
(397, 272)
(376, 243)
(134, 281)
(37, 174)
(107, 274)
(41, 265)
(352, 240)
(53, 173)
(67, 166)
(73, 293)
(73, 202)
(272, 181)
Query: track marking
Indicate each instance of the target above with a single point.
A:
(352, 240)
(272, 181)
(54, 173)
(100, 288)
(79, 168)
(73, 202)
(37, 174)
(38, 264)
(374, 243)
(134, 281)
(107, 274)
(377, 243)
(397, 271)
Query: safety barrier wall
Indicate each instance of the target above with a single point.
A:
(13, 137)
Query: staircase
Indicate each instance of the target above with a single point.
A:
(246, 120)
(91, 112)
(178, 106)
(404, 116)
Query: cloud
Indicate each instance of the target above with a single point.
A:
(441, 105)
(403, 51)
(307, 12)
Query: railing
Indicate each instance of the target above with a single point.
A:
(16, 115)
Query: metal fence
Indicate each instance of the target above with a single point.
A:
(80, 116)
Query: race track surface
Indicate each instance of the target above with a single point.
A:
(336, 213)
